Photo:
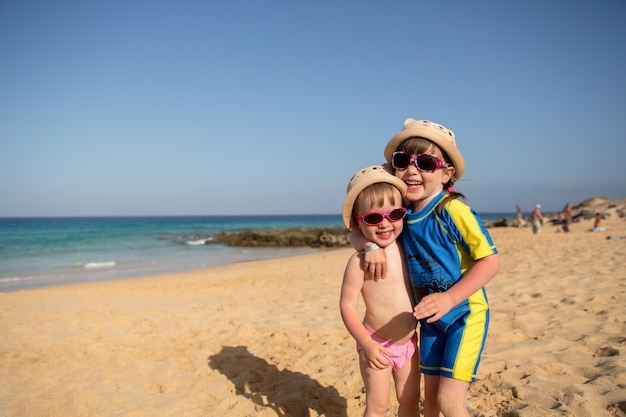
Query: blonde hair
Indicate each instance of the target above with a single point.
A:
(374, 195)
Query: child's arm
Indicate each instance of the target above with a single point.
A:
(374, 261)
(438, 304)
(348, 305)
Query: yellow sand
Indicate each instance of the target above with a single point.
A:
(265, 338)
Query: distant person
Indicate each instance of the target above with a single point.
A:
(567, 212)
(596, 223)
(537, 219)
(386, 336)
(520, 217)
(566, 219)
(563, 222)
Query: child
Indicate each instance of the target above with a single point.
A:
(386, 336)
(450, 257)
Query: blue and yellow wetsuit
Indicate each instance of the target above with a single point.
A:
(439, 248)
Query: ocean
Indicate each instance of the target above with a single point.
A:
(37, 252)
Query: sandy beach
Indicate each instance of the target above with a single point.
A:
(265, 338)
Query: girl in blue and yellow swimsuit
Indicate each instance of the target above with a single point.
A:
(450, 257)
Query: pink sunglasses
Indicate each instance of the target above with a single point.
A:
(374, 218)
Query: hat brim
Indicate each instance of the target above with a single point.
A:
(437, 138)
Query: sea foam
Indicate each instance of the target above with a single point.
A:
(198, 242)
(99, 264)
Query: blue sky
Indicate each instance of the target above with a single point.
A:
(249, 107)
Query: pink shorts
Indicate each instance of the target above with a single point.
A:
(399, 353)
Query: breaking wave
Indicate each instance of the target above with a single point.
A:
(99, 264)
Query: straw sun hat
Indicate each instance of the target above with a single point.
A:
(438, 134)
(363, 178)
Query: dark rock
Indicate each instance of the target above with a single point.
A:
(314, 237)
(503, 222)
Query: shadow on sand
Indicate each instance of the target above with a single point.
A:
(288, 393)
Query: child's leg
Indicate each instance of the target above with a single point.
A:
(431, 390)
(451, 397)
(377, 382)
(407, 381)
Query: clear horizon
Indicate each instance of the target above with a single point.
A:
(510, 213)
(180, 108)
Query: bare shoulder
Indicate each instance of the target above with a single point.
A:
(355, 263)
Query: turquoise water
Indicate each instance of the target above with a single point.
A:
(36, 252)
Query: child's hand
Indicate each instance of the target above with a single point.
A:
(375, 264)
(434, 306)
(375, 355)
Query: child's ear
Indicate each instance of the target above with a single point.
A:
(447, 174)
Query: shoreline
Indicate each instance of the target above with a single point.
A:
(113, 273)
(307, 236)
(200, 252)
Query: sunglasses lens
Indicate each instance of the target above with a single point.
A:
(373, 218)
(396, 214)
(427, 162)
(401, 160)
